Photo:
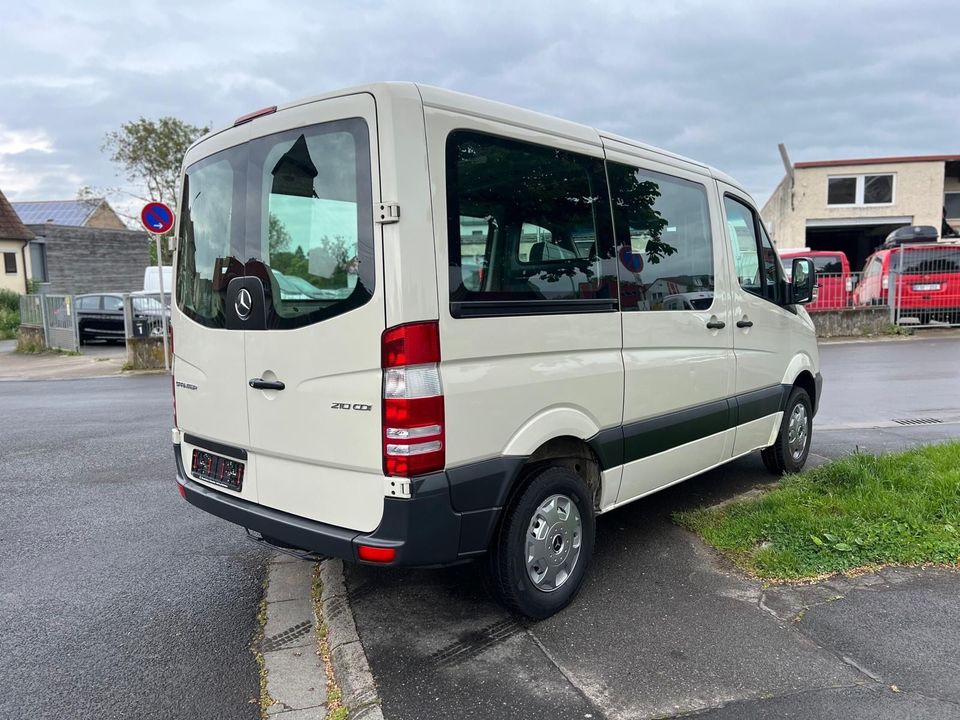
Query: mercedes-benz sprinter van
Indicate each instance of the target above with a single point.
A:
(413, 328)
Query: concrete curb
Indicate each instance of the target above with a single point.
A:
(296, 680)
(350, 666)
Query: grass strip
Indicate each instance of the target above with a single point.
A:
(856, 512)
(336, 710)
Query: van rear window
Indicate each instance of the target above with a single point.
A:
(926, 261)
(827, 264)
(294, 209)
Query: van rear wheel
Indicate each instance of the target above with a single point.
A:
(789, 453)
(542, 552)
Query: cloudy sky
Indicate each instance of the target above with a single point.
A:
(720, 81)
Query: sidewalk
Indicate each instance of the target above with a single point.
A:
(96, 361)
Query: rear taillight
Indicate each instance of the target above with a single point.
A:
(885, 283)
(413, 429)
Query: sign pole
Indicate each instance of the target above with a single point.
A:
(163, 305)
(157, 219)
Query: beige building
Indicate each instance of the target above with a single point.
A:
(14, 239)
(852, 205)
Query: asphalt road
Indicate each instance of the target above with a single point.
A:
(117, 599)
(663, 627)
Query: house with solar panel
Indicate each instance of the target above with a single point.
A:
(82, 246)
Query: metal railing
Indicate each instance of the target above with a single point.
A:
(924, 285)
(835, 291)
(919, 289)
(57, 315)
(147, 315)
(31, 310)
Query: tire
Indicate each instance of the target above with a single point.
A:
(789, 453)
(549, 505)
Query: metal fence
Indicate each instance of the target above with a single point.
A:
(147, 315)
(835, 291)
(31, 310)
(57, 315)
(920, 286)
(61, 318)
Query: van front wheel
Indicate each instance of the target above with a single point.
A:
(789, 453)
(542, 553)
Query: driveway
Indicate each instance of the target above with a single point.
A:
(96, 360)
(663, 627)
(117, 599)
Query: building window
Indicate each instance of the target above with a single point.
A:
(38, 261)
(10, 263)
(951, 201)
(860, 189)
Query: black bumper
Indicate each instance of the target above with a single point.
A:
(425, 529)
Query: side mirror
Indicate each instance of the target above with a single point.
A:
(804, 279)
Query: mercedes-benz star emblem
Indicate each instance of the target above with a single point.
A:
(243, 304)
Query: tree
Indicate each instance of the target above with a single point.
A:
(150, 153)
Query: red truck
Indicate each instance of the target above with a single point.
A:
(834, 281)
(921, 277)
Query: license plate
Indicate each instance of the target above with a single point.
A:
(926, 288)
(218, 470)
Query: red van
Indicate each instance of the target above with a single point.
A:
(834, 281)
(929, 281)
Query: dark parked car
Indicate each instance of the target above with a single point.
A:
(100, 316)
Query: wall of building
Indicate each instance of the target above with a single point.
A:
(16, 282)
(918, 193)
(81, 259)
(105, 218)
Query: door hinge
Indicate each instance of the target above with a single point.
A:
(386, 212)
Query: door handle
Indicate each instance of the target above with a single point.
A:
(744, 323)
(261, 384)
(716, 325)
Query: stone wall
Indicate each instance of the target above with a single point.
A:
(82, 260)
(852, 322)
(30, 339)
(145, 353)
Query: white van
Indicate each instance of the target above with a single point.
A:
(413, 327)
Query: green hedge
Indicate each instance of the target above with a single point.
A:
(9, 314)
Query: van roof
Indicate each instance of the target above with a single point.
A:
(472, 105)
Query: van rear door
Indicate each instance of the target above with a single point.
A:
(311, 248)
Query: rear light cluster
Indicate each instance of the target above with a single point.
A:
(413, 422)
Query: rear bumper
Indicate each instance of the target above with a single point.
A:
(425, 530)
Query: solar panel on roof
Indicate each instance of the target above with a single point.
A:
(62, 212)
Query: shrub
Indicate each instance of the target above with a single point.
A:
(9, 300)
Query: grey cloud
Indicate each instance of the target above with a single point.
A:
(720, 81)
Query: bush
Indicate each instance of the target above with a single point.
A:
(9, 322)
(9, 300)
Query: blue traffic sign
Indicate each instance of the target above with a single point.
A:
(157, 218)
(633, 263)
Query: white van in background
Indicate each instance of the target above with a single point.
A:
(152, 277)
(414, 327)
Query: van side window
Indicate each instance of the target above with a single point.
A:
(742, 230)
(528, 228)
(664, 243)
(756, 261)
